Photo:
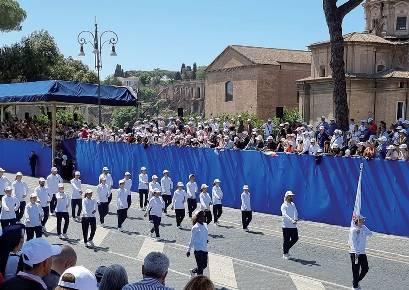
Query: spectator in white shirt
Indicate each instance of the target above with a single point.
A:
(403, 152)
(76, 196)
(246, 212)
(314, 147)
(155, 209)
(358, 233)
(89, 208)
(4, 182)
(391, 153)
(289, 223)
(198, 241)
(109, 182)
(191, 190)
(10, 205)
(337, 141)
(205, 202)
(217, 196)
(33, 216)
(44, 198)
(20, 191)
(102, 199)
(61, 211)
(122, 204)
(143, 188)
(52, 185)
(167, 187)
(128, 185)
(178, 203)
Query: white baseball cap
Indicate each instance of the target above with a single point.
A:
(216, 181)
(204, 186)
(121, 181)
(2, 170)
(245, 187)
(60, 185)
(289, 193)
(165, 171)
(19, 174)
(191, 175)
(154, 176)
(54, 169)
(84, 279)
(38, 250)
(88, 190)
(143, 168)
(33, 195)
(127, 173)
(77, 173)
(105, 169)
(41, 179)
(157, 190)
(8, 188)
(180, 183)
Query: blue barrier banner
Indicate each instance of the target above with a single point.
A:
(14, 156)
(325, 192)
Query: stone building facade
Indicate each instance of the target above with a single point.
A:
(376, 66)
(257, 80)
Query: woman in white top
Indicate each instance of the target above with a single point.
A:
(246, 212)
(9, 207)
(122, 204)
(155, 209)
(178, 203)
(198, 241)
(89, 208)
(154, 184)
(102, 200)
(166, 184)
(33, 216)
(76, 196)
(191, 190)
(20, 191)
(205, 202)
(289, 223)
(217, 196)
(10, 245)
(143, 188)
(61, 211)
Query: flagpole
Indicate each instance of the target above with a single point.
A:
(357, 206)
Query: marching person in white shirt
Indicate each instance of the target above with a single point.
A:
(4, 182)
(109, 182)
(246, 212)
(33, 216)
(89, 208)
(178, 203)
(143, 188)
(198, 241)
(61, 211)
(10, 205)
(76, 196)
(155, 209)
(44, 198)
(191, 190)
(20, 191)
(217, 196)
(103, 205)
(52, 185)
(289, 223)
(167, 187)
(122, 204)
(128, 185)
(154, 184)
(205, 202)
(358, 233)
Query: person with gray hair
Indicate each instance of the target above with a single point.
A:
(114, 278)
(154, 270)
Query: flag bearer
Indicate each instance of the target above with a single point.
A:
(178, 203)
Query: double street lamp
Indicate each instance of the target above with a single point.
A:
(98, 43)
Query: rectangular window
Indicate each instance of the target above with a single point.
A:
(400, 110)
(229, 91)
(280, 112)
(401, 23)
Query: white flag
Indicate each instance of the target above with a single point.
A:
(357, 207)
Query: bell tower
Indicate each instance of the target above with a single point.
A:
(387, 18)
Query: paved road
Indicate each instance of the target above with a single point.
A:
(240, 260)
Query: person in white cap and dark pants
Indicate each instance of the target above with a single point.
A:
(198, 242)
(166, 184)
(155, 210)
(289, 223)
(89, 208)
(10, 205)
(358, 233)
(33, 216)
(109, 182)
(205, 202)
(20, 191)
(76, 196)
(217, 196)
(4, 182)
(61, 211)
(178, 203)
(102, 200)
(44, 199)
(128, 185)
(143, 188)
(246, 212)
(122, 204)
(52, 185)
(191, 190)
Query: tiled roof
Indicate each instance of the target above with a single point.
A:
(262, 55)
(360, 37)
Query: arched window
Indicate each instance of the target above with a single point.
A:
(229, 91)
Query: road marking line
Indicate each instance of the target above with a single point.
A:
(148, 246)
(51, 224)
(302, 283)
(222, 271)
(100, 235)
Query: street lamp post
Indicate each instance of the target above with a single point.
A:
(97, 43)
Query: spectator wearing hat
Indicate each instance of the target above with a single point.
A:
(358, 234)
(122, 204)
(205, 203)
(33, 160)
(391, 153)
(4, 182)
(76, 196)
(108, 181)
(143, 188)
(403, 153)
(115, 278)
(77, 278)
(322, 136)
(61, 262)
(128, 185)
(178, 203)
(52, 185)
(11, 241)
(217, 196)
(36, 255)
(289, 223)
(155, 209)
(20, 191)
(246, 212)
(102, 200)
(198, 242)
(43, 197)
(89, 208)
(61, 211)
(166, 187)
(268, 129)
(10, 206)
(33, 216)
(314, 147)
(191, 190)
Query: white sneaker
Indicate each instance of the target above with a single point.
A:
(87, 244)
(192, 274)
(119, 229)
(65, 236)
(61, 236)
(285, 256)
(91, 243)
(179, 227)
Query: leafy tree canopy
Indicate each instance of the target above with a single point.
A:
(11, 15)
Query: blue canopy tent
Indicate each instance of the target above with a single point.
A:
(56, 92)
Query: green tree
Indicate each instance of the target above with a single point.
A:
(201, 73)
(119, 72)
(291, 116)
(145, 79)
(194, 71)
(146, 94)
(122, 115)
(72, 70)
(112, 80)
(178, 76)
(11, 15)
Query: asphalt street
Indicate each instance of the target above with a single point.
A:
(238, 259)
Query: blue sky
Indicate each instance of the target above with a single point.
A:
(165, 33)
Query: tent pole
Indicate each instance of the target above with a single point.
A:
(53, 132)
